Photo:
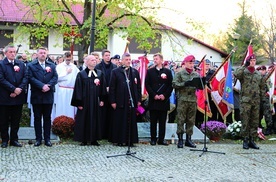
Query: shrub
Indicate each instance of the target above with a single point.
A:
(63, 126)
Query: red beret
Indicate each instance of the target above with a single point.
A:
(166, 63)
(261, 68)
(189, 58)
(252, 56)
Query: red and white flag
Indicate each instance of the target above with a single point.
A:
(217, 84)
(142, 72)
(248, 53)
(271, 79)
(202, 95)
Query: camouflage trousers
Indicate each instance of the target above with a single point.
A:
(250, 118)
(186, 112)
(265, 110)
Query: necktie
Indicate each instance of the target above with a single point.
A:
(12, 62)
(43, 66)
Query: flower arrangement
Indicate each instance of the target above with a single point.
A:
(63, 126)
(213, 128)
(234, 129)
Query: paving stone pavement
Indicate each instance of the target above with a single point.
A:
(71, 162)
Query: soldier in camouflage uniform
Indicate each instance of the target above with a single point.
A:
(186, 100)
(252, 92)
(265, 106)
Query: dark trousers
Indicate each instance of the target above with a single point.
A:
(10, 115)
(237, 115)
(106, 114)
(158, 116)
(42, 110)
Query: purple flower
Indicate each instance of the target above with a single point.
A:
(213, 128)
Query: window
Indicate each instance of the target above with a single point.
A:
(4, 40)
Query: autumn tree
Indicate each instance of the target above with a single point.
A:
(136, 17)
(249, 33)
(268, 43)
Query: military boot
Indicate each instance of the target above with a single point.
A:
(189, 142)
(252, 144)
(245, 143)
(268, 130)
(180, 141)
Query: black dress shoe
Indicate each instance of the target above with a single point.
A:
(152, 142)
(15, 144)
(95, 143)
(4, 144)
(163, 143)
(83, 143)
(48, 143)
(37, 143)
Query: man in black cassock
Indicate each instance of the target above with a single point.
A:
(124, 118)
(89, 91)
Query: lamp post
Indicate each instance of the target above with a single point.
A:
(93, 27)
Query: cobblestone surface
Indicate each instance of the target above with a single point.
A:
(71, 162)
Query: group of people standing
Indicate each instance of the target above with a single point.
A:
(103, 96)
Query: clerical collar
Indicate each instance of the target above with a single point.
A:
(92, 71)
(158, 69)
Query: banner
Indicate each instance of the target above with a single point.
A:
(143, 60)
(271, 86)
(248, 52)
(221, 90)
(202, 95)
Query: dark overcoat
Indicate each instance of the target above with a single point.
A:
(124, 118)
(11, 77)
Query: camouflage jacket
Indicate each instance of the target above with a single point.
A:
(184, 93)
(252, 85)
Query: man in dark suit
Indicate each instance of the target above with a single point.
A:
(125, 97)
(106, 66)
(43, 78)
(159, 87)
(13, 83)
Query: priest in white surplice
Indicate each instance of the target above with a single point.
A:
(67, 73)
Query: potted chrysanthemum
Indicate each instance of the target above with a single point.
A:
(214, 129)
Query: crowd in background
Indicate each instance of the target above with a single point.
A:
(102, 96)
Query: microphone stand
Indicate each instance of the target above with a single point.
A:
(205, 149)
(131, 107)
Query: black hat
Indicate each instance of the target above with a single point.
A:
(116, 57)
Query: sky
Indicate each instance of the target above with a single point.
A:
(216, 15)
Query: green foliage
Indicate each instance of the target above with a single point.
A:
(25, 118)
(134, 16)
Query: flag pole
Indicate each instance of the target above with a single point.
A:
(229, 55)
